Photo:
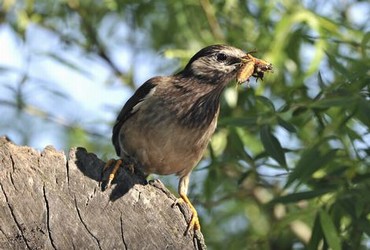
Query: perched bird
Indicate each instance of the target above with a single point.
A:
(167, 124)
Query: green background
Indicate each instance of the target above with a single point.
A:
(288, 167)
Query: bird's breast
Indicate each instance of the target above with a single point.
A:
(157, 138)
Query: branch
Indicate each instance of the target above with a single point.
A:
(210, 13)
(50, 201)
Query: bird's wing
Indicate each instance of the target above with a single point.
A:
(130, 108)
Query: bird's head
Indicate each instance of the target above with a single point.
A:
(215, 64)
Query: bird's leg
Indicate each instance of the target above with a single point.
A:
(183, 188)
(117, 164)
(194, 221)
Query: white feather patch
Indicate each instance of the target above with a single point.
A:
(137, 106)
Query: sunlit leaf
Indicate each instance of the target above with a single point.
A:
(329, 230)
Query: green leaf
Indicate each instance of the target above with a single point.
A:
(316, 235)
(266, 101)
(301, 196)
(312, 160)
(320, 80)
(340, 68)
(286, 125)
(343, 101)
(365, 225)
(238, 121)
(272, 146)
(353, 134)
(329, 230)
(363, 111)
(364, 42)
(300, 110)
(236, 146)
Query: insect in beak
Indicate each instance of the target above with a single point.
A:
(252, 66)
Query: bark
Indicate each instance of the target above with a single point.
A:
(53, 201)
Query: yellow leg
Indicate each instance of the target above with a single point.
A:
(183, 189)
(194, 221)
(114, 170)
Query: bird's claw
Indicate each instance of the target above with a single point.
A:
(194, 221)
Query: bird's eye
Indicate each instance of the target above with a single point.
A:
(221, 57)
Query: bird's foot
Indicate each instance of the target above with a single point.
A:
(194, 221)
(117, 164)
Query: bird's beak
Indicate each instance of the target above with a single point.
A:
(245, 58)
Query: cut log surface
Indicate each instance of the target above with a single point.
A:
(53, 201)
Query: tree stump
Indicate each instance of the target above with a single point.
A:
(50, 201)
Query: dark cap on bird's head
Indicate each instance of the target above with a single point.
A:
(215, 64)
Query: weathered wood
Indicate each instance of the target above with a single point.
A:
(50, 201)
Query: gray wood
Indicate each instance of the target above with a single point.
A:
(53, 201)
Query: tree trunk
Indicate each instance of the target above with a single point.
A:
(50, 201)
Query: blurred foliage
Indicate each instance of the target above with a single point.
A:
(289, 165)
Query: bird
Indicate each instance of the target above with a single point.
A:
(168, 122)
